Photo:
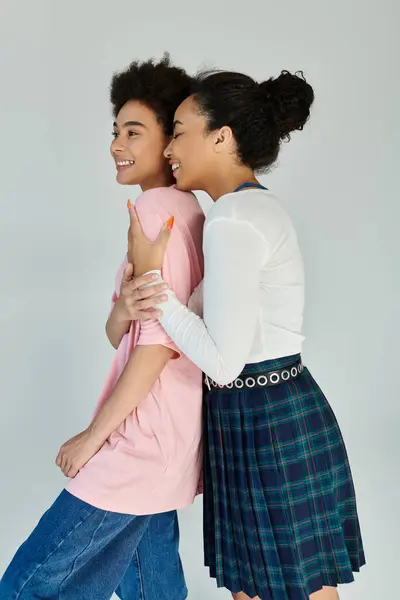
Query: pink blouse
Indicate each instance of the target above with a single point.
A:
(152, 462)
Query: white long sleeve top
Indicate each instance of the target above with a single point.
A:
(253, 289)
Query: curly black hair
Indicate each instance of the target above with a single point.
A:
(260, 115)
(161, 86)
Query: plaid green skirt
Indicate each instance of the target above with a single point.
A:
(280, 516)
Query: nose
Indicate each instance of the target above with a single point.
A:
(167, 151)
(117, 146)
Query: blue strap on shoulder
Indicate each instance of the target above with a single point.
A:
(250, 185)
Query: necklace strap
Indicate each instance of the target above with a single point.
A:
(249, 184)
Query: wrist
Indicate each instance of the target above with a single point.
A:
(121, 316)
(95, 435)
(146, 269)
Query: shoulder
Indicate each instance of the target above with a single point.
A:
(156, 206)
(166, 201)
(248, 204)
(258, 208)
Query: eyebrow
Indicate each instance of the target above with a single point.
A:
(177, 123)
(130, 124)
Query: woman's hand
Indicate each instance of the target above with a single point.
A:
(135, 303)
(75, 453)
(142, 253)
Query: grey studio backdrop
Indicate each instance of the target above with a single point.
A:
(63, 229)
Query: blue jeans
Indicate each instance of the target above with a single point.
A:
(79, 552)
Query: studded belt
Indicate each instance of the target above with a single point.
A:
(261, 379)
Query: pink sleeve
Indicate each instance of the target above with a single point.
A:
(176, 271)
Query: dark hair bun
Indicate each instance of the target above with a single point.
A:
(290, 97)
(259, 115)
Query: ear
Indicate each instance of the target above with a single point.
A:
(223, 139)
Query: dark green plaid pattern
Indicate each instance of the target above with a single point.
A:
(280, 517)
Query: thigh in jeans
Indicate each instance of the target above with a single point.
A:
(76, 552)
(155, 572)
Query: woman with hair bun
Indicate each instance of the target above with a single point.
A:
(280, 516)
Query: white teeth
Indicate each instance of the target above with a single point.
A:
(175, 166)
(125, 163)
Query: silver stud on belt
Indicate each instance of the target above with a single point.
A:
(267, 379)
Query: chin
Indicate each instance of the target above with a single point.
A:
(125, 180)
(182, 185)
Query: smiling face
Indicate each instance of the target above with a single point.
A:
(192, 151)
(138, 147)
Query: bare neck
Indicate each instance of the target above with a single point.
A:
(227, 181)
(162, 179)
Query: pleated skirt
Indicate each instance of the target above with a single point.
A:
(280, 515)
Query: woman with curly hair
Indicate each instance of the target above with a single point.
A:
(280, 515)
(115, 526)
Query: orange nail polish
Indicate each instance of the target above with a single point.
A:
(129, 205)
(170, 223)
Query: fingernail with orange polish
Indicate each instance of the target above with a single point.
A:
(170, 223)
(129, 205)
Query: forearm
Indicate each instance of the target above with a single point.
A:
(137, 380)
(220, 343)
(117, 326)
